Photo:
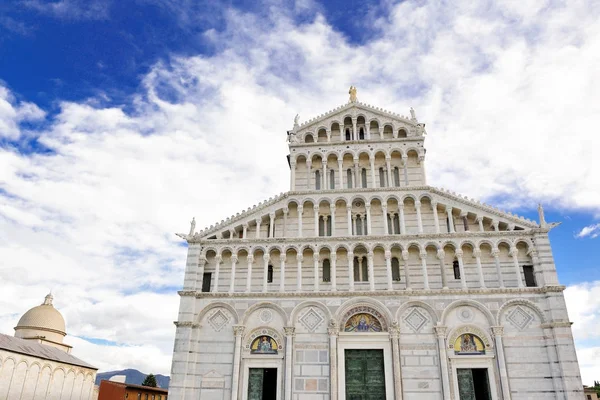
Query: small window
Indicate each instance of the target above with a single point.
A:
(332, 179)
(381, 177)
(206, 278)
(363, 176)
(361, 134)
(401, 133)
(347, 134)
(349, 178)
(359, 230)
(321, 226)
(396, 177)
(329, 226)
(309, 139)
(318, 180)
(456, 268)
(390, 224)
(270, 274)
(326, 271)
(397, 225)
(395, 269)
(529, 276)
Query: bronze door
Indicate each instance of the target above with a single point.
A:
(365, 378)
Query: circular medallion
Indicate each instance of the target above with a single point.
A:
(465, 314)
(266, 316)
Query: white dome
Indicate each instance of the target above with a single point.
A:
(43, 318)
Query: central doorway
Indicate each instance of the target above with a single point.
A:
(262, 384)
(473, 384)
(365, 378)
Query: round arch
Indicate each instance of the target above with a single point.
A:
(417, 303)
(467, 302)
(264, 304)
(520, 302)
(308, 303)
(218, 304)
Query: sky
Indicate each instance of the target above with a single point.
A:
(122, 120)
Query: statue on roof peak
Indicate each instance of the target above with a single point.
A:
(296, 119)
(352, 93)
(413, 115)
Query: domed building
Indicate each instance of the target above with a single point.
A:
(36, 364)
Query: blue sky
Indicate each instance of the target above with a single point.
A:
(120, 120)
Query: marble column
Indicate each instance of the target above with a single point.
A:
(423, 257)
(271, 225)
(436, 219)
(285, 216)
(234, 261)
(498, 332)
(333, 332)
(328, 133)
(201, 264)
(333, 271)
(341, 174)
(371, 271)
(405, 171)
(450, 219)
(368, 208)
(395, 337)
(316, 271)
(479, 220)
(496, 226)
(258, 221)
(299, 259)
(372, 161)
(324, 179)
(405, 255)
(441, 336)
(293, 174)
(349, 219)
(496, 255)
(514, 253)
(537, 268)
(289, 332)
(386, 227)
(461, 267)
(300, 210)
(357, 180)
(266, 260)
(282, 272)
(419, 219)
(351, 271)
(249, 276)
(441, 255)
(245, 231)
(354, 131)
(388, 269)
(332, 214)
(388, 164)
(218, 260)
(309, 185)
(402, 222)
(316, 219)
(477, 255)
(238, 331)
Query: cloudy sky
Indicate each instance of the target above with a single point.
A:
(120, 120)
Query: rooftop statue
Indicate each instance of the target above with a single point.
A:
(192, 226)
(296, 119)
(412, 114)
(541, 215)
(352, 93)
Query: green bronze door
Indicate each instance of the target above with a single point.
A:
(255, 384)
(365, 379)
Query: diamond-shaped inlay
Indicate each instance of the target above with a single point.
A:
(520, 318)
(218, 320)
(311, 320)
(415, 319)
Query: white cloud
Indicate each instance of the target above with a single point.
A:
(508, 96)
(593, 231)
(72, 9)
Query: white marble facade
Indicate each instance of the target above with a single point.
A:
(361, 232)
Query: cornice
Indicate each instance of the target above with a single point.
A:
(376, 293)
(358, 142)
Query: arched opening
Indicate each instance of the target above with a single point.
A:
(363, 177)
(309, 139)
(270, 274)
(331, 179)
(396, 177)
(349, 178)
(322, 135)
(382, 177)
(361, 134)
(456, 268)
(402, 133)
(361, 269)
(318, 180)
(363, 322)
(348, 135)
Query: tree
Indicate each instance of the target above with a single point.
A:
(150, 381)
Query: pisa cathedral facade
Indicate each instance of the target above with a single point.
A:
(362, 282)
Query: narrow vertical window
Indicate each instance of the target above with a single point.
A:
(456, 267)
(326, 271)
(269, 230)
(270, 274)
(395, 269)
(364, 269)
(381, 178)
(318, 180)
(332, 179)
(361, 134)
(390, 224)
(359, 230)
(206, 279)
(349, 178)
(529, 276)
(396, 177)
(363, 176)
(356, 270)
(396, 225)
(347, 134)
(365, 225)
(329, 226)
(321, 226)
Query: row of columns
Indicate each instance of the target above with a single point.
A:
(355, 131)
(356, 174)
(388, 257)
(389, 230)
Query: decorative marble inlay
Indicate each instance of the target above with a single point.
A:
(415, 319)
(266, 316)
(465, 314)
(519, 318)
(311, 320)
(218, 320)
